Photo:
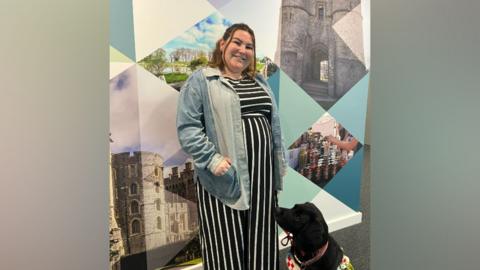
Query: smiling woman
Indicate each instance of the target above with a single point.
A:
(227, 120)
(234, 53)
(238, 55)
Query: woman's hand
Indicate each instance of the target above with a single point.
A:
(223, 167)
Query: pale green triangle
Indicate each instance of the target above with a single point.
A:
(351, 109)
(296, 189)
(117, 56)
(122, 35)
(298, 111)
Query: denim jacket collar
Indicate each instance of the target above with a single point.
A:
(215, 72)
(210, 72)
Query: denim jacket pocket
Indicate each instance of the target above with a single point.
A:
(227, 185)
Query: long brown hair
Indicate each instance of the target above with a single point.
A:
(217, 60)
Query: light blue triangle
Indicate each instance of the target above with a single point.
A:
(351, 109)
(121, 27)
(274, 82)
(298, 111)
(296, 189)
(345, 186)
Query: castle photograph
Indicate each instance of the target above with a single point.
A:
(321, 46)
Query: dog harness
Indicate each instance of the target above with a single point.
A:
(293, 263)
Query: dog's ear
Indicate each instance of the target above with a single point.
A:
(319, 235)
(312, 210)
(312, 237)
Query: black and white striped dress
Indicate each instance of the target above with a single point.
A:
(236, 239)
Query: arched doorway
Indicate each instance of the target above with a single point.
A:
(316, 77)
(319, 63)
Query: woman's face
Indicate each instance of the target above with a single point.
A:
(238, 54)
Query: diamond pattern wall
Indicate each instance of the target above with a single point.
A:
(322, 70)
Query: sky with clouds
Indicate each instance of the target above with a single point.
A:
(142, 115)
(261, 16)
(124, 112)
(203, 35)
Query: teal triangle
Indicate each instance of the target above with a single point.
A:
(345, 186)
(351, 109)
(274, 82)
(121, 27)
(298, 111)
(296, 189)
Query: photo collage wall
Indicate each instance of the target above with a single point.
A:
(315, 55)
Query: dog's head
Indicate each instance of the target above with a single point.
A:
(306, 223)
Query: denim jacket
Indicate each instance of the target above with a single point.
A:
(209, 128)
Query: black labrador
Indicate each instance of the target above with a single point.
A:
(311, 245)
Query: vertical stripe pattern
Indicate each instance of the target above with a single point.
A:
(244, 240)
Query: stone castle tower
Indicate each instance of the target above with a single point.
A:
(147, 212)
(115, 236)
(310, 51)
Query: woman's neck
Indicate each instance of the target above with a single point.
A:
(235, 76)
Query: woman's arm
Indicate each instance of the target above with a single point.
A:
(346, 145)
(190, 127)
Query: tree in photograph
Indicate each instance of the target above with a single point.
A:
(176, 55)
(198, 62)
(155, 62)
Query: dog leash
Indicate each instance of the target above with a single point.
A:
(288, 238)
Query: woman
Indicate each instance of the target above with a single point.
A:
(228, 122)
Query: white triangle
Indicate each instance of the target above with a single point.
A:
(336, 213)
(157, 22)
(118, 67)
(366, 31)
(349, 28)
(157, 109)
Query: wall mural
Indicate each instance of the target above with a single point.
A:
(315, 54)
